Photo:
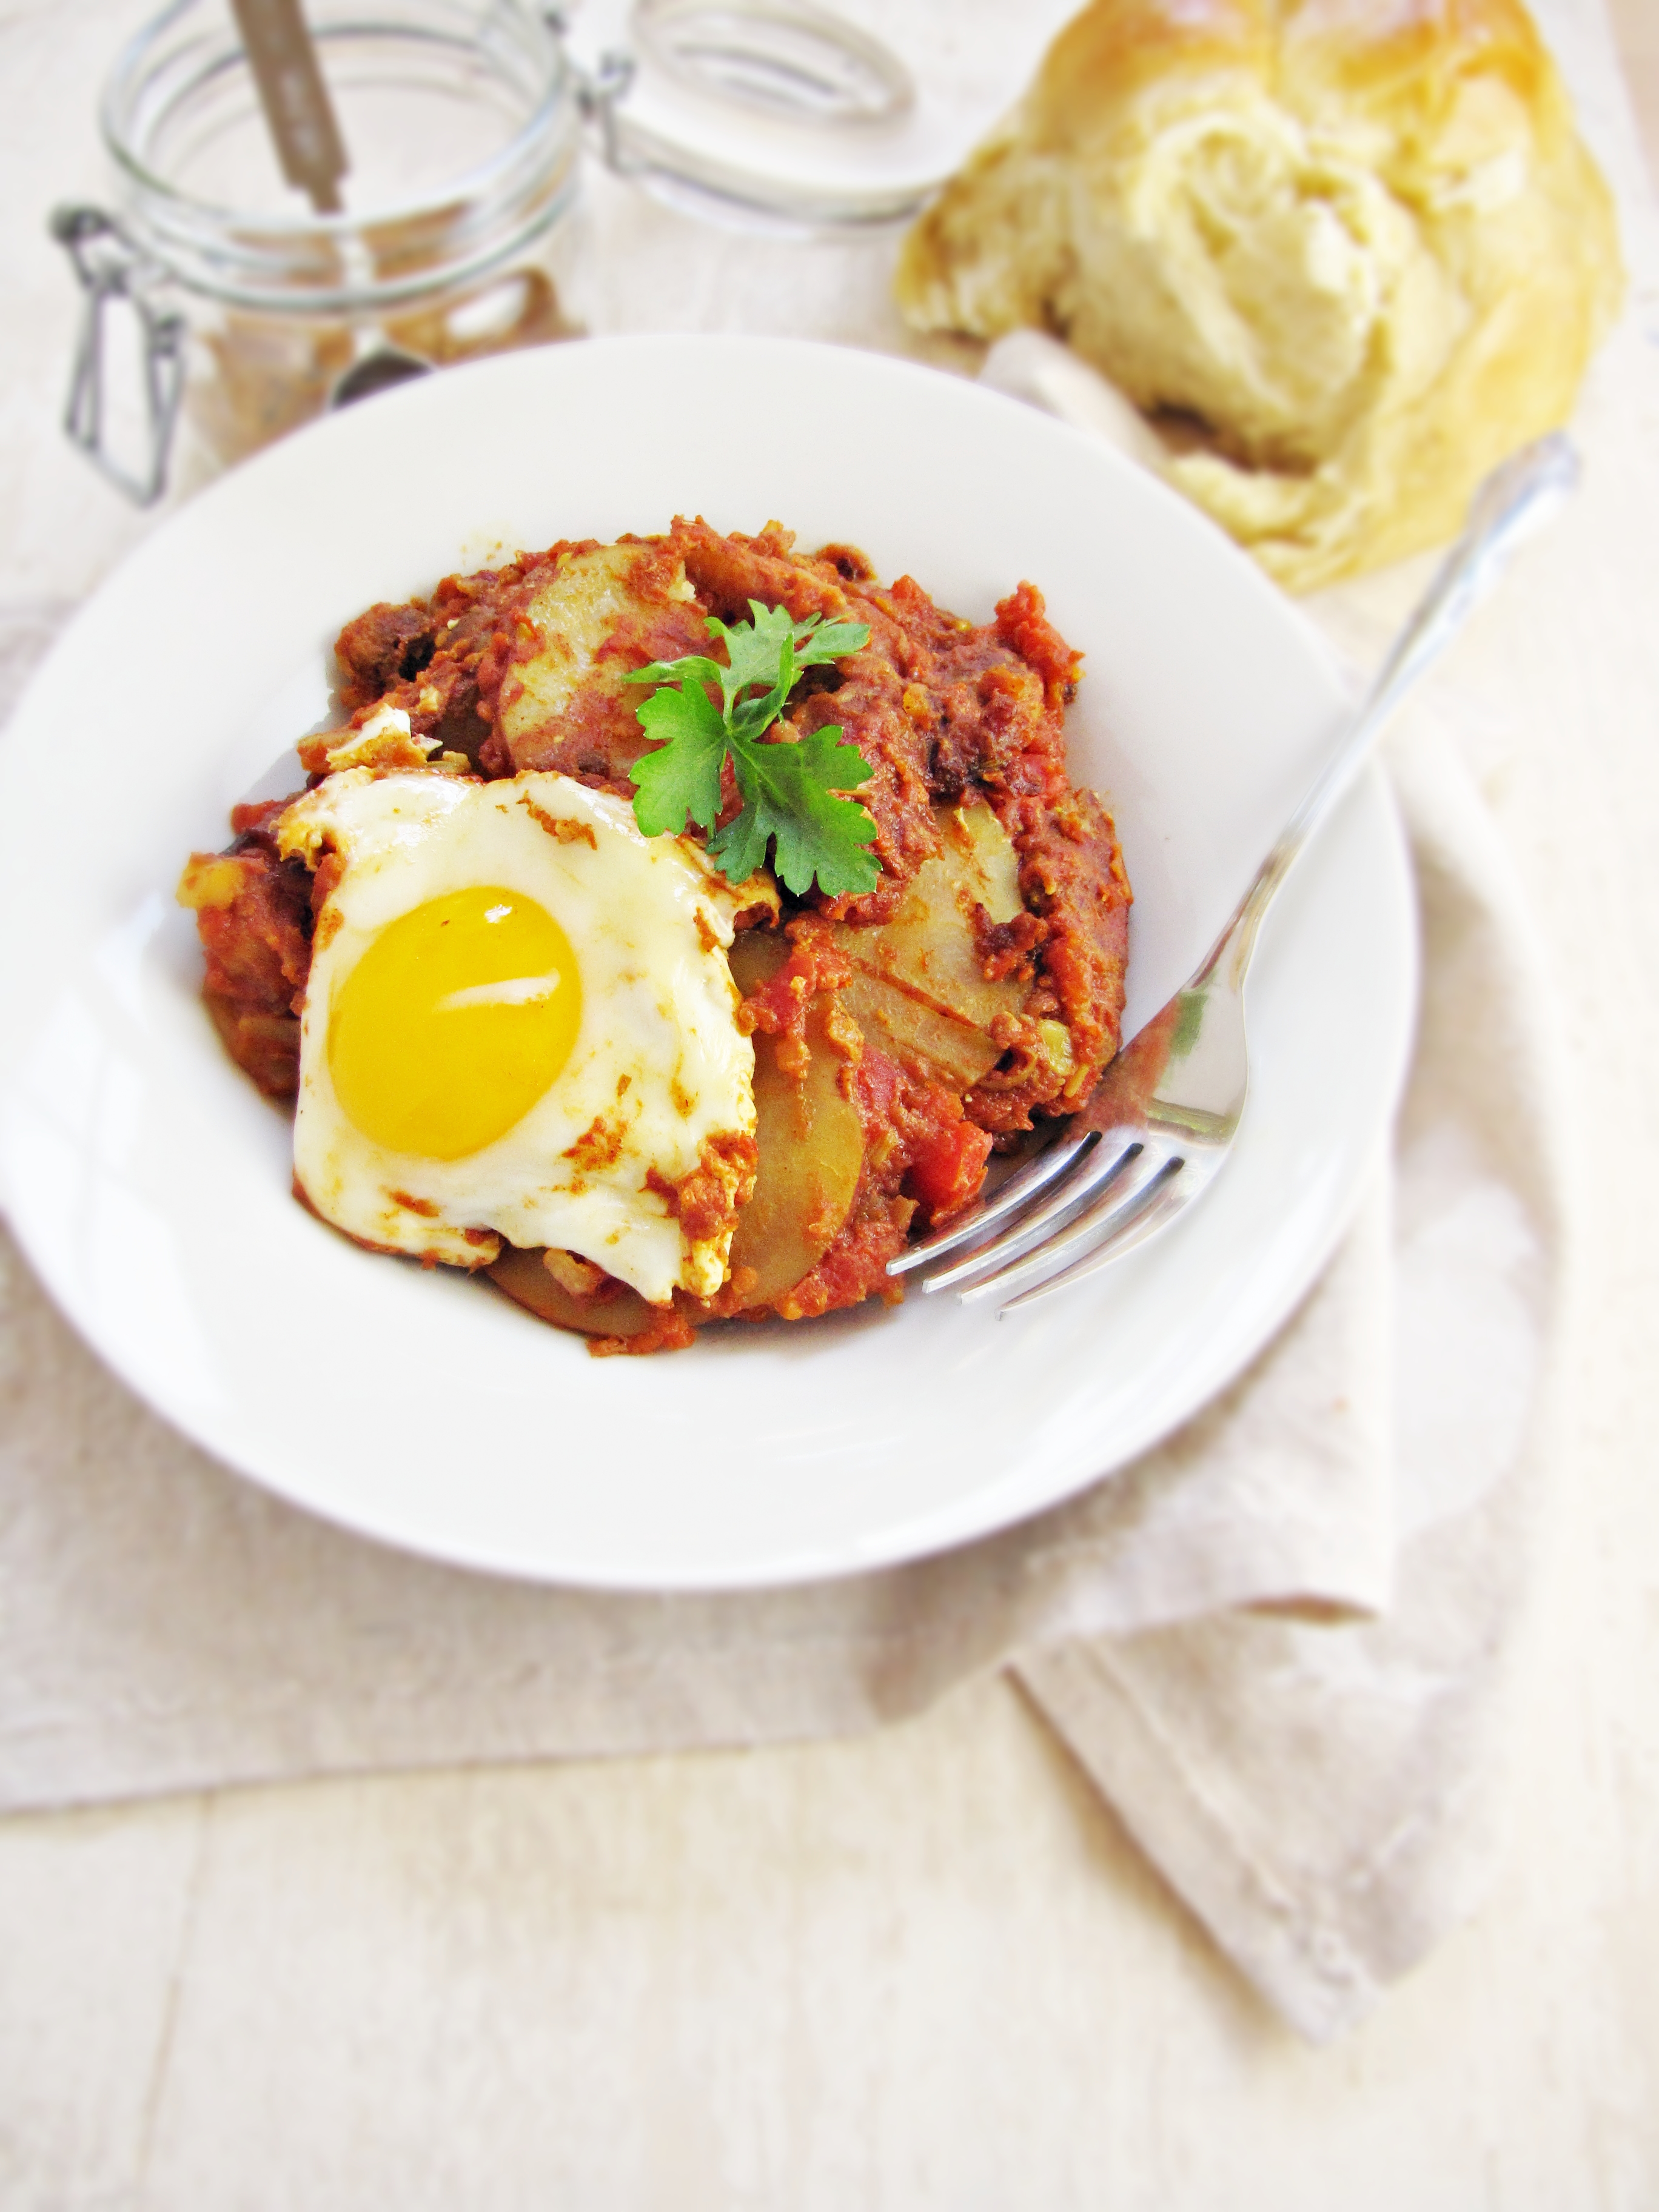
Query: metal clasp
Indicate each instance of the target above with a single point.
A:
(597, 91)
(109, 267)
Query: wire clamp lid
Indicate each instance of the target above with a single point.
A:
(111, 269)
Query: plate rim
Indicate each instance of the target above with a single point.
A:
(902, 1544)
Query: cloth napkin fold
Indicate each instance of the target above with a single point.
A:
(1316, 1779)
(1329, 1799)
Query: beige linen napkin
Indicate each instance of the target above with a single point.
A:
(1316, 1793)
(1326, 1798)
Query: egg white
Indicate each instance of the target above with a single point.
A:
(647, 920)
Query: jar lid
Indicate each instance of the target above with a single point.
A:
(810, 114)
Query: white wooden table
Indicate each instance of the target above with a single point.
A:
(923, 1969)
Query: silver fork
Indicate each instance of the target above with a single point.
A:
(1159, 1128)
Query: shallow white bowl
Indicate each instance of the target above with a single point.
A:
(150, 1184)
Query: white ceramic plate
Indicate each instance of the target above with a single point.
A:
(150, 1184)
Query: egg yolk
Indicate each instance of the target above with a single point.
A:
(454, 1022)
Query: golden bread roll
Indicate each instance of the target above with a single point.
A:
(1347, 254)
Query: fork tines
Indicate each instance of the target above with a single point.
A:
(1138, 1202)
(1098, 1186)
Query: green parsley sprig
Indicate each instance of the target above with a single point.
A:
(788, 787)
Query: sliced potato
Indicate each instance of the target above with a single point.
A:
(919, 989)
(910, 1027)
(809, 1140)
(524, 1276)
(573, 615)
(982, 856)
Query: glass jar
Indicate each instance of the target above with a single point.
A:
(214, 287)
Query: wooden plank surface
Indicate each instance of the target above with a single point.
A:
(923, 1969)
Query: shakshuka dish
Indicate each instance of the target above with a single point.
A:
(671, 928)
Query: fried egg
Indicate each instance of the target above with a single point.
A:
(519, 1024)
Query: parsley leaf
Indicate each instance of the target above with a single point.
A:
(787, 792)
(683, 777)
(757, 652)
(788, 787)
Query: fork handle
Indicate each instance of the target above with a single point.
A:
(1508, 505)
